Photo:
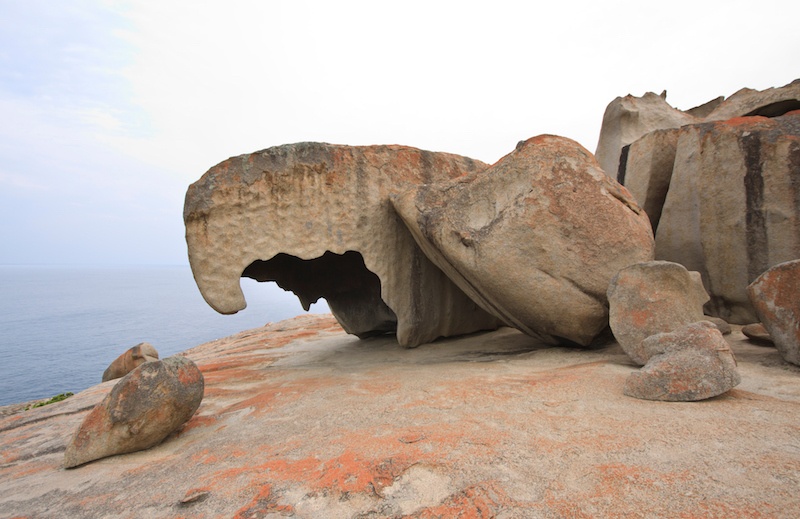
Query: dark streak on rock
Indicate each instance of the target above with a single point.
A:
(794, 182)
(623, 164)
(755, 221)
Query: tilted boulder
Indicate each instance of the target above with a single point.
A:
(758, 334)
(534, 239)
(775, 295)
(130, 360)
(142, 409)
(316, 218)
(732, 208)
(692, 363)
(650, 298)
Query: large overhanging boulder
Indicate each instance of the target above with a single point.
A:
(535, 239)
(316, 218)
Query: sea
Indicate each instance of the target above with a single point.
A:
(61, 326)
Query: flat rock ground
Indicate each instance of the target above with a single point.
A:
(301, 420)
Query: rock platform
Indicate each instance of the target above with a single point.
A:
(301, 420)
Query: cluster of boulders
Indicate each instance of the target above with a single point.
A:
(663, 236)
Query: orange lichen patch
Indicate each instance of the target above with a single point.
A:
(262, 503)
(723, 510)
(353, 473)
(271, 393)
(615, 477)
(199, 421)
(481, 501)
(380, 387)
(738, 121)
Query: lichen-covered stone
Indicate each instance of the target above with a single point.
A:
(650, 298)
(316, 218)
(130, 360)
(145, 407)
(775, 295)
(692, 363)
(534, 239)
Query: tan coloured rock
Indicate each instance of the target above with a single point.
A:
(692, 363)
(650, 298)
(648, 170)
(130, 360)
(628, 118)
(772, 102)
(143, 408)
(535, 239)
(757, 333)
(732, 209)
(775, 295)
(316, 218)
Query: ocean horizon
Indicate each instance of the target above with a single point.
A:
(61, 326)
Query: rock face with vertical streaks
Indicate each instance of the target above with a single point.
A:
(316, 218)
(733, 206)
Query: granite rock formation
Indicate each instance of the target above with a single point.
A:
(143, 408)
(692, 363)
(130, 360)
(534, 239)
(775, 295)
(757, 333)
(316, 218)
(732, 208)
(650, 298)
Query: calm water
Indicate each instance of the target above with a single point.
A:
(60, 327)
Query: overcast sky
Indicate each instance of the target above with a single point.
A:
(109, 110)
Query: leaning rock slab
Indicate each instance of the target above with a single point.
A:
(732, 208)
(145, 407)
(316, 218)
(775, 295)
(689, 364)
(535, 239)
(130, 360)
(650, 298)
(757, 333)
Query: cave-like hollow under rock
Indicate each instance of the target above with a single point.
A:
(352, 291)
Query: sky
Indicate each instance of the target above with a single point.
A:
(110, 109)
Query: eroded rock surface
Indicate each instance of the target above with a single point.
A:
(534, 239)
(143, 408)
(732, 208)
(316, 218)
(650, 298)
(130, 360)
(692, 363)
(775, 295)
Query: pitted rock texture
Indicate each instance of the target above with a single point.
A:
(650, 298)
(130, 360)
(733, 207)
(775, 295)
(145, 406)
(692, 363)
(301, 420)
(534, 239)
(316, 218)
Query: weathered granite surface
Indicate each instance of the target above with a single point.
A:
(302, 420)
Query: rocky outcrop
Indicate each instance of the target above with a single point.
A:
(316, 219)
(534, 239)
(757, 333)
(145, 407)
(732, 208)
(130, 360)
(692, 363)
(775, 295)
(628, 118)
(301, 420)
(650, 298)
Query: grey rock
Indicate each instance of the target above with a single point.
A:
(775, 295)
(757, 333)
(130, 360)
